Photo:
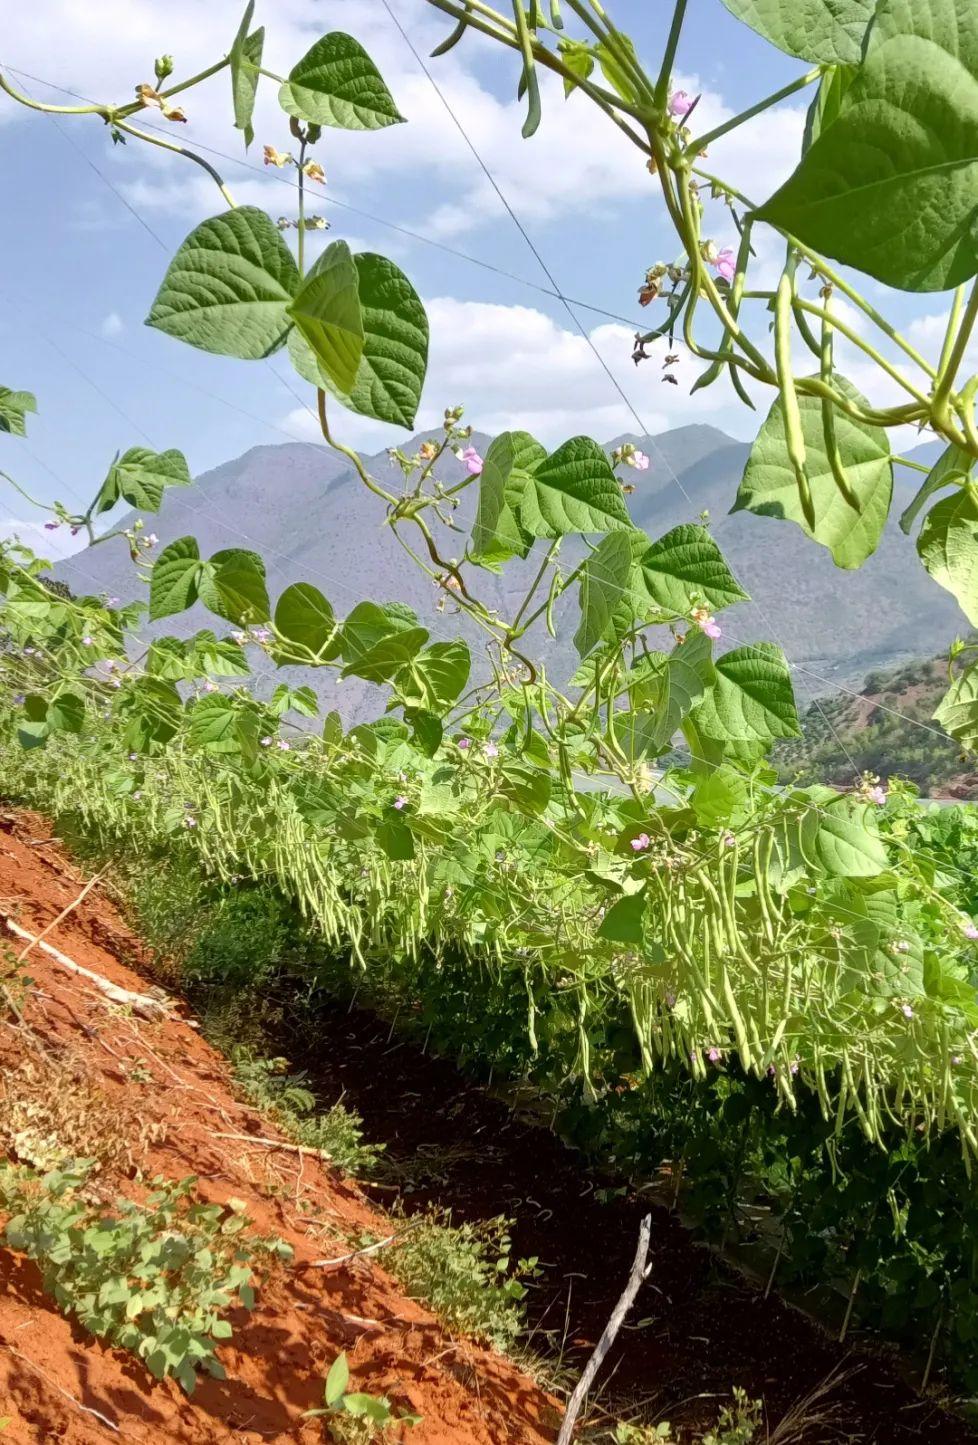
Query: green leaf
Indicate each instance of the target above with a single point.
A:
(388, 656)
(574, 490)
(392, 366)
(305, 622)
(957, 712)
(336, 83)
(245, 64)
(719, 797)
(173, 584)
(141, 476)
(891, 187)
(825, 108)
(66, 713)
(624, 922)
(603, 583)
(847, 844)
(14, 406)
(952, 468)
(686, 567)
(213, 725)
(814, 30)
(433, 680)
(752, 699)
(153, 712)
(337, 1380)
(373, 1407)
(328, 314)
(228, 287)
(496, 533)
(612, 68)
(578, 58)
(300, 699)
(948, 547)
(369, 623)
(670, 687)
(426, 731)
(216, 657)
(394, 837)
(769, 486)
(232, 585)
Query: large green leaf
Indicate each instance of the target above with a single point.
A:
(604, 579)
(952, 468)
(214, 725)
(327, 312)
(686, 567)
(306, 624)
(433, 680)
(769, 486)
(573, 490)
(958, 709)
(816, 30)
(891, 187)
(671, 687)
(14, 406)
(228, 287)
(141, 476)
(173, 584)
(153, 712)
(392, 366)
(496, 532)
(386, 657)
(948, 547)
(336, 83)
(752, 699)
(245, 63)
(369, 623)
(846, 843)
(232, 585)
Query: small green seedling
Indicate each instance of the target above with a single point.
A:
(374, 1411)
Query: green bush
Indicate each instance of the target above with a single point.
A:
(155, 1278)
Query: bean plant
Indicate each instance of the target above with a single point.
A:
(726, 920)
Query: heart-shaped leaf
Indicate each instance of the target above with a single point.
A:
(305, 622)
(496, 532)
(14, 407)
(769, 487)
(173, 585)
(336, 83)
(604, 580)
(815, 30)
(752, 698)
(948, 547)
(141, 476)
(232, 585)
(574, 490)
(686, 568)
(328, 314)
(228, 287)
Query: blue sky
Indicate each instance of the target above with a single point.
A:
(79, 268)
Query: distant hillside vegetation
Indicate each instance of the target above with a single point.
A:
(888, 729)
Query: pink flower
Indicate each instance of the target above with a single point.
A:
(729, 841)
(491, 751)
(51, 526)
(266, 742)
(640, 843)
(638, 460)
(970, 931)
(906, 1010)
(877, 795)
(86, 642)
(400, 802)
(680, 103)
(210, 685)
(465, 744)
(706, 623)
(190, 822)
(725, 264)
(283, 746)
(472, 460)
(714, 1055)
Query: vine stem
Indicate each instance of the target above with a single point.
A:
(945, 380)
(302, 206)
(702, 141)
(26, 495)
(179, 150)
(102, 110)
(669, 55)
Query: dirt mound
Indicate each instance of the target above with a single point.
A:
(152, 1096)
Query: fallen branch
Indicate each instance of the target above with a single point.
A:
(141, 1003)
(278, 1144)
(369, 1249)
(110, 1424)
(639, 1273)
(62, 915)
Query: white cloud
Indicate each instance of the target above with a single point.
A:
(112, 325)
(513, 366)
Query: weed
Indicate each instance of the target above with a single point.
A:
(465, 1274)
(286, 1099)
(355, 1418)
(739, 1421)
(156, 1279)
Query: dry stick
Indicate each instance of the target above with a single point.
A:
(639, 1274)
(55, 1386)
(370, 1249)
(141, 1003)
(63, 914)
(277, 1144)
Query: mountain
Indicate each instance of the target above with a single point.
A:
(887, 730)
(304, 509)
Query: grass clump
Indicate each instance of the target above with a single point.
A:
(466, 1275)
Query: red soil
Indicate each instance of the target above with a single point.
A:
(171, 1093)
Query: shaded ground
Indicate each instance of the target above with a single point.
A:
(162, 1099)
